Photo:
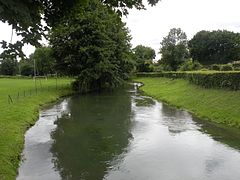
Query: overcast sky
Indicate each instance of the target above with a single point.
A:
(150, 26)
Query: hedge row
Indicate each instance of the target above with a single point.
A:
(207, 79)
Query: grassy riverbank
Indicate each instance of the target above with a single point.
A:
(220, 106)
(19, 104)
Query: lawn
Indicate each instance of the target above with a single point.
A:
(220, 106)
(19, 105)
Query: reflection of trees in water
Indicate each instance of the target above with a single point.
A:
(176, 120)
(97, 131)
(144, 101)
(220, 132)
(179, 121)
(211, 165)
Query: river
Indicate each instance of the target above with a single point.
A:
(124, 135)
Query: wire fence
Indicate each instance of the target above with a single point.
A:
(37, 90)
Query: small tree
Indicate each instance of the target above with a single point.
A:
(174, 49)
(143, 57)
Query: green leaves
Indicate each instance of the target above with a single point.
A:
(27, 16)
(143, 57)
(94, 46)
(216, 47)
(174, 49)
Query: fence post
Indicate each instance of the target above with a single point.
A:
(10, 99)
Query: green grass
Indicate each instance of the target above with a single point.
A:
(16, 117)
(220, 106)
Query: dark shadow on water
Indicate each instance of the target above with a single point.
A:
(96, 130)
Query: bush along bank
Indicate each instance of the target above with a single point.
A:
(207, 79)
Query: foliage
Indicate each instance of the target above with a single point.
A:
(207, 79)
(26, 67)
(44, 61)
(216, 47)
(236, 65)
(26, 17)
(216, 67)
(143, 56)
(216, 105)
(8, 66)
(226, 67)
(158, 68)
(174, 49)
(190, 65)
(94, 46)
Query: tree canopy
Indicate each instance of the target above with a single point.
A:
(44, 61)
(25, 17)
(92, 44)
(215, 47)
(143, 57)
(174, 49)
(8, 67)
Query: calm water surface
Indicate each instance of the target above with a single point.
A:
(126, 136)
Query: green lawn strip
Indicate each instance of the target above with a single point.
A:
(220, 106)
(17, 117)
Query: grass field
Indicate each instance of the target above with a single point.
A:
(20, 113)
(220, 106)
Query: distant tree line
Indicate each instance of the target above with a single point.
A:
(216, 50)
(42, 58)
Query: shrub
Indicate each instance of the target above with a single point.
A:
(236, 65)
(206, 79)
(216, 67)
(190, 65)
(204, 69)
(226, 67)
(158, 68)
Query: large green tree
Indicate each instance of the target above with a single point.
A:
(25, 17)
(143, 57)
(215, 47)
(93, 44)
(174, 49)
(44, 61)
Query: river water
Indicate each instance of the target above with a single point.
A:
(124, 135)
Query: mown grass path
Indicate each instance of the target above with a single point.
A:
(220, 106)
(17, 116)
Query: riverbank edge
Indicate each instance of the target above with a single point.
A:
(204, 117)
(35, 116)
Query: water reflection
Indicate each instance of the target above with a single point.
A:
(124, 135)
(97, 130)
(176, 120)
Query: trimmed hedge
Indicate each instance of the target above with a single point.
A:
(207, 79)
